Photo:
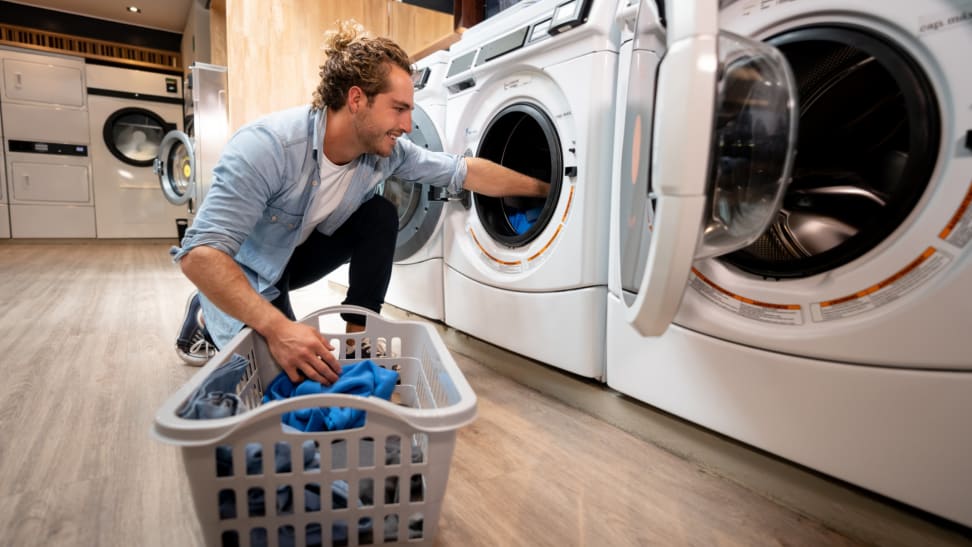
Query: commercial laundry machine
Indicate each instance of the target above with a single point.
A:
(129, 112)
(532, 88)
(835, 337)
(43, 106)
(185, 162)
(416, 280)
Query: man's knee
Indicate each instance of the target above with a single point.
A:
(382, 214)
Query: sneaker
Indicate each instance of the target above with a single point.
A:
(194, 346)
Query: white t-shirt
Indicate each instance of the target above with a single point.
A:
(335, 180)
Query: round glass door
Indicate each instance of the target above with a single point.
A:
(750, 159)
(133, 135)
(176, 167)
(418, 215)
(523, 138)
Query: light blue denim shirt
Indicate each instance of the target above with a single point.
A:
(262, 188)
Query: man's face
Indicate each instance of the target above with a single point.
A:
(388, 117)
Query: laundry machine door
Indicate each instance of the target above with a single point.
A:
(176, 167)
(707, 153)
(133, 135)
(418, 210)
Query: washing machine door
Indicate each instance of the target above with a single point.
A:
(133, 135)
(418, 210)
(176, 167)
(707, 152)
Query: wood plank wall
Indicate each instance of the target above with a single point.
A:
(274, 47)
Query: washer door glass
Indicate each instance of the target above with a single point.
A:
(133, 135)
(418, 215)
(706, 158)
(176, 167)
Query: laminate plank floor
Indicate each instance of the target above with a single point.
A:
(86, 358)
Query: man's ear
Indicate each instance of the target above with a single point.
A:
(355, 96)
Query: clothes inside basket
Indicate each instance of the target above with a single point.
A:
(365, 378)
(340, 490)
(216, 397)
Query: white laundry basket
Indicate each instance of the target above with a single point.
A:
(392, 472)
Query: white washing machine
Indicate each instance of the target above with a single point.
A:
(129, 111)
(45, 138)
(533, 89)
(186, 160)
(837, 337)
(416, 280)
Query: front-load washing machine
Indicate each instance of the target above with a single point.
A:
(835, 337)
(533, 89)
(416, 280)
(129, 112)
(185, 162)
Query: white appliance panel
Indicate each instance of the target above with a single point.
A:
(31, 181)
(45, 124)
(52, 221)
(41, 80)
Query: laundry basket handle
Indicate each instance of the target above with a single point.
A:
(186, 432)
(311, 318)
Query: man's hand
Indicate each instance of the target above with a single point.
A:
(301, 350)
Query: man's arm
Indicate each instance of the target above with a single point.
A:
(298, 348)
(492, 179)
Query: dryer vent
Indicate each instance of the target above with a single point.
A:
(866, 149)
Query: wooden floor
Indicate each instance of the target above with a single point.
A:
(86, 358)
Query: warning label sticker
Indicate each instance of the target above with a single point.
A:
(898, 285)
(958, 231)
(766, 312)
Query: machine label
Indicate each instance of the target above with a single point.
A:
(958, 231)
(777, 314)
(751, 6)
(944, 20)
(898, 285)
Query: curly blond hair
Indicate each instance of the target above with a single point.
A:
(355, 58)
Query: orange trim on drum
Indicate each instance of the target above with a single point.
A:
(493, 258)
(749, 301)
(570, 200)
(547, 245)
(887, 282)
(958, 214)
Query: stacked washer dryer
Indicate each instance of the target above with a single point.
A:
(129, 113)
(837, 337)
(416, 280)
(45, 138)
(533, 89)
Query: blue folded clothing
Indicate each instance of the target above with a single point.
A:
(364, 378)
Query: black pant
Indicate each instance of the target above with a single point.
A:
(366, 240)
